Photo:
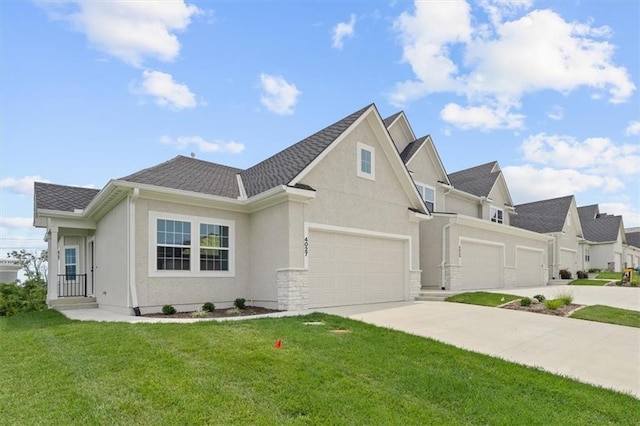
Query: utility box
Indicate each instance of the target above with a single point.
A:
(627, 275)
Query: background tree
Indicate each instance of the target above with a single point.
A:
(34, 264)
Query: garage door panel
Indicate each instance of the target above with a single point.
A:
(352, 269)
(529, 272)
(487, 258)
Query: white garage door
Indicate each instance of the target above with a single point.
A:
(529, 269)
(482, 265)
(568, 260)
(347, 269)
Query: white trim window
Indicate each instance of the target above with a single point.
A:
(70, 263)
(497, 215)
(174, 250)
(428, 194)
(366, 161)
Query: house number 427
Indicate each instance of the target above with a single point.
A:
(306, 246)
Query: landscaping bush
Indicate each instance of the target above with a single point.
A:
(240, 303)
(540, 297)
(553, 303)
(525, 301)
(582, 275)
(16, 298)
(564, 274)
(198, 314)
(168, 310)
(565, 296)
(594, 270)
(208, 307)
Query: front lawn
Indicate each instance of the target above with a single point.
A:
(617, 276)
(483, 298)
(57, 371)
(609, 315)
(584, 281)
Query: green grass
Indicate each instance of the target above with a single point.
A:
(609, 315)
(588, 282)
(617, 276)
(483, 298)
(57, 371)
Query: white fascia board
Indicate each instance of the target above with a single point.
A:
(418, 217)
(61, 219)
(499, 228)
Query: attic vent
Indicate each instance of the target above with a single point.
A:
(79, 211)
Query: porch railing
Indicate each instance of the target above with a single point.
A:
(72, 285)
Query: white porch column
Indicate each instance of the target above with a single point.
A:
(52, 281)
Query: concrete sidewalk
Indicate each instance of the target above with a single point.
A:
(600, 354)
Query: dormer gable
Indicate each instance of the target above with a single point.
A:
(400, 130)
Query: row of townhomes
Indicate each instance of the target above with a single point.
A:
(362, 211)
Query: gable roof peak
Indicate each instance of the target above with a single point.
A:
(389, 120)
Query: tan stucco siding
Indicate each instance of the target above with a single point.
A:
(346, 200)
(462, 205)
(424, 170)
(190, 289)
(269, 251)
(111, 259)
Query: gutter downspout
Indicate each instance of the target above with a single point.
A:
(444, 251)
(132, 251)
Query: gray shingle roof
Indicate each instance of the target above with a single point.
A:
(281, 168)
(544, 216)
(633, 238)
(49, 196)
(190, 174)
(412, 148)
(387, 121)
(588, 212)
(477, 180)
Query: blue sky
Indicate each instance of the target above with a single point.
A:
(91, 91)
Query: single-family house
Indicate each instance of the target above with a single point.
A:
(632, 248)
(606, 238)
(331, 220)
(469, 243)
(559, 218)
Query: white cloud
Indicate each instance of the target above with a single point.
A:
(528, 183)
(630, 215)
(22, 186)
(498, 62)
(633, 128)
(342, 30)
(278, 95)
(482, 117)
(556, 113)
(129, 30)
(16, 222)
(202, 145)
(599, 155)
(165, 91)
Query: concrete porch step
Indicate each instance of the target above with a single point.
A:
(434, 295)
(67, 303)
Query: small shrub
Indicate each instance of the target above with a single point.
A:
(240, 303)
(208, 307)
(233, 311)
(565, 274)
(540, 297)
(198, 314)
(582, 275)
(565, 297)
(525, 301)
(594, 270)
(168, 310)
(553, 303)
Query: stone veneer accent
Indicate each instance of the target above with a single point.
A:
(293, 289)
(414, 284)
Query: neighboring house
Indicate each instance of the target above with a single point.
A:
(469, 243)
(331, 220)
(9, 269)
(632, 248)
(559, 218)
(606, 238)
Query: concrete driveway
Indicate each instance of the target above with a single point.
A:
(600, 354)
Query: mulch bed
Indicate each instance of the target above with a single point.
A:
(540, 308)
(218, 313)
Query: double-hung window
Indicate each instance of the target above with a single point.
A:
(184, 246)
(214, 247)
(70, 263)
(496, 215)
(428, 194)
(366, 161)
